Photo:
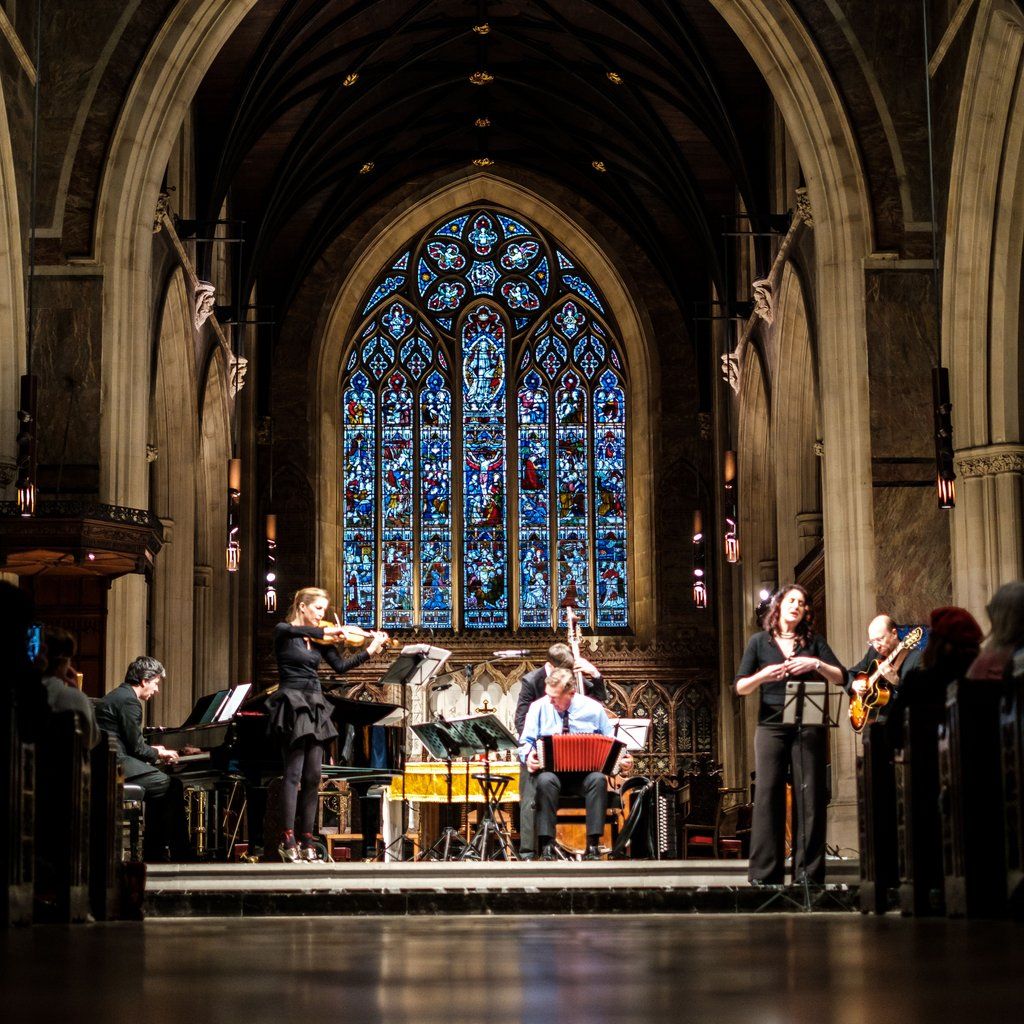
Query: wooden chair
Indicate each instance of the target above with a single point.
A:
(719, 839)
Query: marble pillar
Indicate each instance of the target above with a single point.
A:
(202, 630)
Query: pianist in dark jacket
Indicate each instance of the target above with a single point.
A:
(300, 715)
(119, 713)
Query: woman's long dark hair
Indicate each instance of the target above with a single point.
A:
(805, 628)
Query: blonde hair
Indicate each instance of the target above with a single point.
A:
(561, 679)
(307, 595)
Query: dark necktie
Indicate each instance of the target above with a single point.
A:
(565, 721)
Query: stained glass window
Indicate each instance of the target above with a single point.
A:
(484, 437)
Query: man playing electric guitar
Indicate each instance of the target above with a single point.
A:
(882, 641)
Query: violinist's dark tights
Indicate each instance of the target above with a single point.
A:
(302, 761)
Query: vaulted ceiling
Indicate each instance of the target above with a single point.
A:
(650, 110)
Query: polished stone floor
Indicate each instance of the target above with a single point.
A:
(471, 970)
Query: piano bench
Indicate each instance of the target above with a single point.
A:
(133, 807)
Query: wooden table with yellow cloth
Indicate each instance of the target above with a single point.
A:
(427, 782)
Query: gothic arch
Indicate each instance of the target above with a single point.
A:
(795, 419)
(173, 498)
(147, 130)
(343, 313)
(982, 308)
(812, 109)
(12, 292)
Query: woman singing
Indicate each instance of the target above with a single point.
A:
(300, 715)
(787, 649)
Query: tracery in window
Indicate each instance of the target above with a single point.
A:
(484, 422)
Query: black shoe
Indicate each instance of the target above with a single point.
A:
(592, 852)
(548, 853)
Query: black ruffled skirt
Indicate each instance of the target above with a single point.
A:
(298, 714)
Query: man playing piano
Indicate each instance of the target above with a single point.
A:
(119, 713)
(563, 710)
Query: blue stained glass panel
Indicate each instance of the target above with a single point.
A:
(378, 355)
(416, 356)
(521, 322)
(563, 261)
(589, 354)
(369, 328)
(518, 295)
(447, 296)
(445, 322)
(570, 320)
(551, 354)
(511, 227)
(396, 473)
(580, 287)
(534, 508)
(446, 255)
(396, 321)
(483, 236)
(453, 229)
(435, 407)
(401, 263)
(483, 432)
(383, 290)
(542, 276)
(610, 501)
(483, 277)
(359, 488)
(519, 255)
(352, 359)
(572, 494)
(424, 276)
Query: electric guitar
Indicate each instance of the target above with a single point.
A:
(865, 707)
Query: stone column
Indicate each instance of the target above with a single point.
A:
(127, 605)
(203, 680)
(988, 538)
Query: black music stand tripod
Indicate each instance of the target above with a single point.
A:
(806, 706)
(442, 741)
(417, 665)
(489, 842)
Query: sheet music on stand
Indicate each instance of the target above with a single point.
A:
(465, 736)
(806, 704)
(416, 665)
(632, 731)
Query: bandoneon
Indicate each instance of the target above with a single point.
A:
(579, 753)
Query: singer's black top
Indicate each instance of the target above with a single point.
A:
(763, 650)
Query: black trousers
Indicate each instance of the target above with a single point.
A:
(154, 782)
(548, 786)
(166, 835)
(776, 749)
(527, 811)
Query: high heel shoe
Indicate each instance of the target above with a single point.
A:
(309, 855)
(289, 854)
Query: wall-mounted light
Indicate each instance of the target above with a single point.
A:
(27, 446)
(233, 553)
(730, 508)
(270, 564)
(945, 474)
(700, 586)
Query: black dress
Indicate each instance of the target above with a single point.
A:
(778, 748)
(299, 709)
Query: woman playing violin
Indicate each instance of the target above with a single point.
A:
(300, 715)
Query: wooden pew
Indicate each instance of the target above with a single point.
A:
(17, 806)
(1011, 746)
(876, 807)
(106, 827)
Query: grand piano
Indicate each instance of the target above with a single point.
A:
(238, 764)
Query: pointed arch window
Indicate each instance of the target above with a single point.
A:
(484, 438)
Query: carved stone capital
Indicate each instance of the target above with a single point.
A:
(163, 209)
(990, 461)
(764, 301)
(236, 374)
(8, 471)
(205, 297)
(731, 371)
(152, 453)
(803, 207)
(819, 448)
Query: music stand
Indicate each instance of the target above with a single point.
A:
(415, 666)
(484, 734)
(806, 706)
(441, 741)
(632, 731)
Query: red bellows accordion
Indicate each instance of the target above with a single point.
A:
(579, 753)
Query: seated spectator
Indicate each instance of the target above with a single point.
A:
(61, 683)
(1006, 613)
(953, 643)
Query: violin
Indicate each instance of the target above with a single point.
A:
(350, 636)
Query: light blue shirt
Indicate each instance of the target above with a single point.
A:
(586, 715)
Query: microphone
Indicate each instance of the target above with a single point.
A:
(511, 653)
(443, 686)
